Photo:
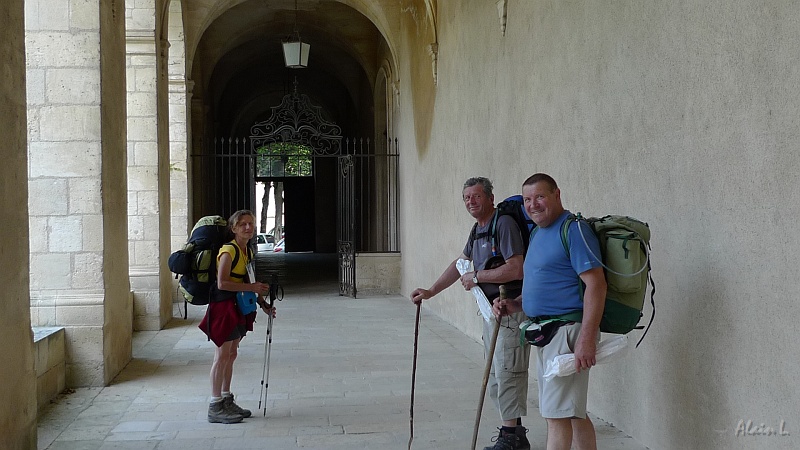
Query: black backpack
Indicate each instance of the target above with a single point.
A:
(512, 206)
(196, 261)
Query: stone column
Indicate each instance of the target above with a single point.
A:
(201, 204)
(179, 92)
(77, 182)
(148, 168)
(18, 388)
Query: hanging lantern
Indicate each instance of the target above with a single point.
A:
(295, 53)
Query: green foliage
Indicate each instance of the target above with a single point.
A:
(282, 159)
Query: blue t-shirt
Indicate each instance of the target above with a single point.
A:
(551, 283)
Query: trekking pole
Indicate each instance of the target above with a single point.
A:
(274, 288)
(489, 359)
(414, 376)
(268, 353)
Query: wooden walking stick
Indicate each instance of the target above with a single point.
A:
(414, 377)
(489, 359)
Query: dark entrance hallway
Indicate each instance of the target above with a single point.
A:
(300, 272)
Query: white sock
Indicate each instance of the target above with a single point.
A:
(216, 399)
(227, 394)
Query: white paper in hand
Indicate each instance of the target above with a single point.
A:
(251, 272)
(608, 350)
(465, 266)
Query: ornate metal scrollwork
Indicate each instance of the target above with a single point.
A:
(298, 121)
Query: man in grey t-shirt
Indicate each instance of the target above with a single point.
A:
(508, 379)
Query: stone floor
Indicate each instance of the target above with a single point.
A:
(339, 378)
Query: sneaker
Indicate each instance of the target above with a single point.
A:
(217, 413)
(231, 406)
(508, 441)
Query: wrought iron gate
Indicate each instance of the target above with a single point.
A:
(367, 202)
(368, 205)
(345, 228)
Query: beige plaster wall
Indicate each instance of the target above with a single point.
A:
(18, 424)
(683, 114)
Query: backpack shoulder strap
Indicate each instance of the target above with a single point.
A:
(235, 255)
(565, 232)
(493, 232)
(565, 242)
(473, 235)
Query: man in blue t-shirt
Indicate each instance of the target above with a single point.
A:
(551, 293)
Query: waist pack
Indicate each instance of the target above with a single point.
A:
(246, 301)
(625, 257)
(540, 334)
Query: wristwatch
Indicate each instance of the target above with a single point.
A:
(475, 277)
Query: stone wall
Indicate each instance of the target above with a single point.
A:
(683, 114)
(377, 273)
(17, 424)
(179, 94)
(50, 363)
(148, 165)
(77, 182)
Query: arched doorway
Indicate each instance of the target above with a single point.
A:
(339, 193)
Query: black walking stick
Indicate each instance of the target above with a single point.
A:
(274, 289)
(489, 359)
(414, 376)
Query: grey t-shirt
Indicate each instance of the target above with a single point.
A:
(507, 244)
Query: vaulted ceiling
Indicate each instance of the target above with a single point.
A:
(235, 59)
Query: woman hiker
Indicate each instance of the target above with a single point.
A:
(224, 323)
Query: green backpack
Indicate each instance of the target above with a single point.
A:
(625, 256)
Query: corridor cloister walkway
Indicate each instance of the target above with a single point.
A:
(340, 378)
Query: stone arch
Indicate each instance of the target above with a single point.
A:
(384, 16)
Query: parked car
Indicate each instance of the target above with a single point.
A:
(272, 232)
(279, 247)
(264, 242)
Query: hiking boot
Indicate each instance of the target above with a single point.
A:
(231, 406)
(509, 441)
(218, 414)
